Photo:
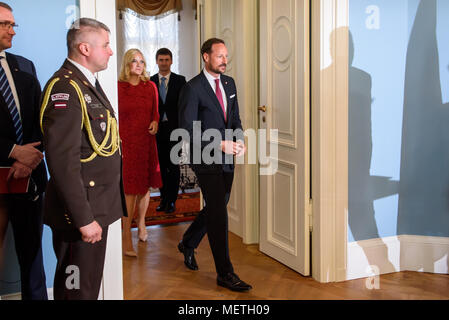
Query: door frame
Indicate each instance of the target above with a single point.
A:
(112, 284)
(330, 140)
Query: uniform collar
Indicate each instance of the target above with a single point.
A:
(86, 72)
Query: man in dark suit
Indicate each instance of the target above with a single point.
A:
(20, 149)
(85, 192)
(169, 85)
(211, 99)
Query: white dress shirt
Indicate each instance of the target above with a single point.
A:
(211, 80)
(8, 73)
(167, 79)
(10, 80)
(87, 73)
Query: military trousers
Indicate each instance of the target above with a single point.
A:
(79, 268)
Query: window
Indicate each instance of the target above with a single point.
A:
(150, 34)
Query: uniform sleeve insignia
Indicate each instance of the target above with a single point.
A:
(87, 98)
(60, 96)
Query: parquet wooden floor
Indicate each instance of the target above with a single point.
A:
(159, 274)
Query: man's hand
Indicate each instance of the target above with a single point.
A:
(231, 147)
(91, 233)
(153, 128)
(242, 147)
(28, 154)
(18, 171)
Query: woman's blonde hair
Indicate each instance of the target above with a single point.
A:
(127, 59)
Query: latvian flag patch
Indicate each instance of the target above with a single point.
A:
(60, 105)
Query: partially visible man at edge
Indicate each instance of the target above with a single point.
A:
(20, 149)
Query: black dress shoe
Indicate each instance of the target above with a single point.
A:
(189, 256)
(161, 207)
(233, 282)
(170, 207)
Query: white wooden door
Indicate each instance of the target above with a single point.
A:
(285, 92)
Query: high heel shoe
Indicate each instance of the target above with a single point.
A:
(130, 253)
(143, 234)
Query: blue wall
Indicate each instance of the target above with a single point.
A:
(40, 38)
(398, 118)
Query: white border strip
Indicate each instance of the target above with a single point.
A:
(396, 254)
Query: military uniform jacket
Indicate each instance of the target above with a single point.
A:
(79, 192)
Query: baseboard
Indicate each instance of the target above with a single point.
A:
(425, 254)
(395, 254)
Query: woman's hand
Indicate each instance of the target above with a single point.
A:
(153, 128)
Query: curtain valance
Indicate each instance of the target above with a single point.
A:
(150, 8)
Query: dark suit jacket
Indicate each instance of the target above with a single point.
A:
(170, 107)
(79, 193)
(198, 102)
(28, 91)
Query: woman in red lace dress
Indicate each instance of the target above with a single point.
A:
(138, 123)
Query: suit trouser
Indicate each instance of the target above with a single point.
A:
(170, 172)
(213, 219)
(26, 221)
(79, 269)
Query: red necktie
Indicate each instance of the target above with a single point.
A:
(220, 96)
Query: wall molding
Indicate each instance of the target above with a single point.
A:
(397, 254)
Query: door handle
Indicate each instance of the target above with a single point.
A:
(263, 108)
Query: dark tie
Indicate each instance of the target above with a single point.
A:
(99, 89)
(220, 96)
(5, 89)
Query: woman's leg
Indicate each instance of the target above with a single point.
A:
(127, 243)
(142, 207)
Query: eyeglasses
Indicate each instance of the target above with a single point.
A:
(6, 25)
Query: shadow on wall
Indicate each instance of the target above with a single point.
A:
(424, 188)
(424, 178)
(364, 189)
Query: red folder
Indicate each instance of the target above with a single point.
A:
(13, 185)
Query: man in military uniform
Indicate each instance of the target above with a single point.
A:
(82, 146)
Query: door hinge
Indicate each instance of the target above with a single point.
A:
(310, 216)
